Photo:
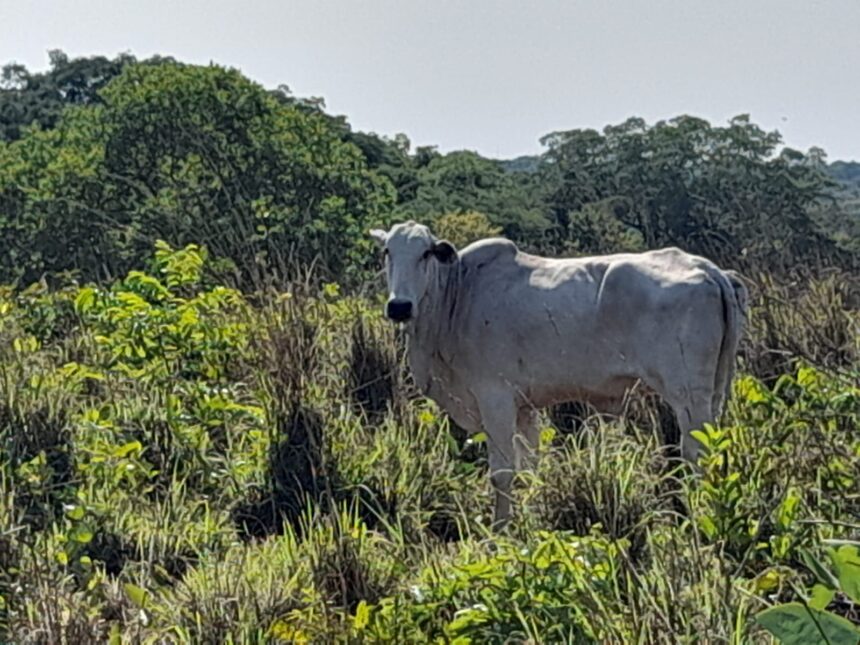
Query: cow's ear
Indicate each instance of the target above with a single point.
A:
(380, 236)
(444, 251)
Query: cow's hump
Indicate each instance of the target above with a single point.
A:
(489, 250)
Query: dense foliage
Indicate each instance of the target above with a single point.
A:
(102, 157)
(207, 432)
(185, 154)
(180, 464)
(841, 216)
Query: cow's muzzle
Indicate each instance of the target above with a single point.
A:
(399, 310)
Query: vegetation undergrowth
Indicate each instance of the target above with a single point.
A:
(180, 464)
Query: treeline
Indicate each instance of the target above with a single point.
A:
(101, 157)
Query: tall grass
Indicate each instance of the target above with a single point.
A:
(186, 466)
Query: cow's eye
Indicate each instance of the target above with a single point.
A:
(427, 254)
(385, 254)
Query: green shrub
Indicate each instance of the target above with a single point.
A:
(557, 587)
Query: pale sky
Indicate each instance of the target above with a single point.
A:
(496, 75)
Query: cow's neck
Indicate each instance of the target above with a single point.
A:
(431, 339)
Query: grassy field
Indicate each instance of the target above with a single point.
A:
(182, 463)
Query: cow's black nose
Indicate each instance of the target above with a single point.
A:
(399, 310)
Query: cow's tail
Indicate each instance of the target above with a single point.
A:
(735, 298)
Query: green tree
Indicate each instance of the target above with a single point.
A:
(27, 98)
(840, 216)
(465, 181)
(721, 191)
(391, 158)
(188, 154)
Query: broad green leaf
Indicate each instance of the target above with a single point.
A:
(752, 390)
(115, 637)
(75, 512)
(362, 616)
(126, 449)
(708, 526)
(136, 594)
(786, 510)
(821, 596)
(85, 300)
(81, 534)
(822, 574)
(701, 437)
(808, 377)
(796, 624)
(846, 561)
(767, 581)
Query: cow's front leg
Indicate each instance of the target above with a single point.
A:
(499, 419)
(527, 439)
(501, 476)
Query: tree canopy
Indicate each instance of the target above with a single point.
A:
(723, 191)
(185, 153)
(100, 157)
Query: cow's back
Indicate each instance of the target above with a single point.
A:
(590, 324)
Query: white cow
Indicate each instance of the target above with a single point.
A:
(495, 334)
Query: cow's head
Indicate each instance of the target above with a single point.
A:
(413, 259)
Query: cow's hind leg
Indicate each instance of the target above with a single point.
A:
(692, 410)
(499, 418)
